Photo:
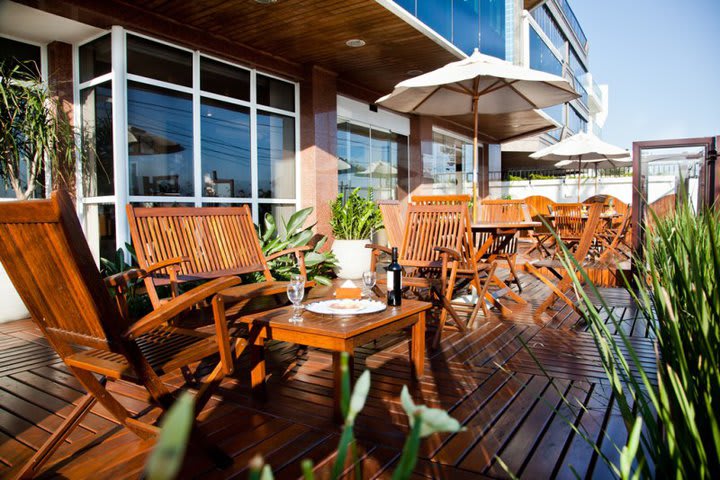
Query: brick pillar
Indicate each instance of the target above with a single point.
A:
(60, 81)
(421, 144)
(318, 143)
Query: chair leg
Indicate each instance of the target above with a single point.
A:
(510, 259)
(480, 304)
(31, 468)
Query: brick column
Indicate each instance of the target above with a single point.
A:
(60, 81)
(421, 144)
(318, 143)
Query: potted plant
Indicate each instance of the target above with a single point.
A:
(32, 133)
(353, 220)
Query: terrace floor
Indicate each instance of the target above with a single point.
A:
(488, 380)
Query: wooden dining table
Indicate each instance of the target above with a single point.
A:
(504, 233)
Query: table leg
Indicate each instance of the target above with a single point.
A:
(417, 346)
(257, 369)
(337, 382)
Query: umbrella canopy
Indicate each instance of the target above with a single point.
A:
(582, 148)
(478, 84)
(142, 142)
(378, 169)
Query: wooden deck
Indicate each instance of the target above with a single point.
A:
(511, 409)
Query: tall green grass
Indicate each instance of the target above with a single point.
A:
(673, 424)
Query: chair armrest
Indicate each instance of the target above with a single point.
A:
(122, 279)
(165, 264)
(378, 248)
(296, 251)
(177, 305)
(449, 251)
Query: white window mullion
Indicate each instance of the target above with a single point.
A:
(254, 146)
(120, 140)
(298, 159)
(197, 149)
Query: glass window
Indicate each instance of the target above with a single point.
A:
(576, 123)
(20, 54)
(154, 60)
(541, 57)
(353, 157)
(100, 229)
(224, 79)
(450, 168)
(160, 141)
(276, 155)
(278, 211)
(275, 93)
(550, 27)
(466, 25)
(408, 5)
(437, 15)
(225, 143)
(492, 27)
(96, 118)
(95, 58)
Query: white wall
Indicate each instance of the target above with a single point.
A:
(559, 191)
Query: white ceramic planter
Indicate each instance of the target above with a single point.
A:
(352, 257)
(11, 306)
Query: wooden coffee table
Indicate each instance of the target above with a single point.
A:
(338, 333)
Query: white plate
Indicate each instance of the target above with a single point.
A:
(345, 307)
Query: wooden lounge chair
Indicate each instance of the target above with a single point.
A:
(194, 244)
(48, 260)
(504, 247)
(436, 251)
(554, 265)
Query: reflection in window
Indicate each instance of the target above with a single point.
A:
(276, 155)
(541, 57)
(492, 27)
(275, 93)
(100, 230)
(278, 211)
(20, 54)
(160, 141)
(450, 168)
(437, 14)
(225, 141)
(95, 58)
(576, 123)
(466, 25)
(97, 140)
(369, 158)
(161, 62)
(557, 113)
(223, 79)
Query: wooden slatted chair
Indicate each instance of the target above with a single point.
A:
(202, 244)
(616, 241)
(49, 262)
(392, 221)
(553, 265)
(437, 250)
(503, 248)
(569, 223)
(539, 207)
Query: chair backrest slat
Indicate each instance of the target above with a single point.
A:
(430, 226)
(392, 221)
(504, 211)
(46, 256)
(569, 219)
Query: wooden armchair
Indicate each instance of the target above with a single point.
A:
(176, 245)
(392, 221)
(539, 208)
(48, 260)
(436, 251)
(569, 223)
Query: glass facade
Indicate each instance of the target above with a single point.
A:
(541, 57)
(194, 134)
(450, 168)
(468, 24)
(368, 158)
(576, 123)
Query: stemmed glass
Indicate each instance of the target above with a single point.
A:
(369, 279)
(295, 293)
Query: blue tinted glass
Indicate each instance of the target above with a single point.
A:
(492, 27)
(160, 141)
(225, 140)
(466, 25)
(541, 57)
(276, 155)
(436, 14)
(408, 5)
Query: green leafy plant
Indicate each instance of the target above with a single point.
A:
(167, 456)
(138, 302)
(33, 130)
(319, 264)
(354, 217)
(673, 426)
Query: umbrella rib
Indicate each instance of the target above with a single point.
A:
(417, 105)
(510, 84)
(491, 88)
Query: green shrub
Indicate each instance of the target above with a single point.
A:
(354, 217)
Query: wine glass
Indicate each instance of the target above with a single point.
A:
(297, 279)
(295, 293)
(369, 279)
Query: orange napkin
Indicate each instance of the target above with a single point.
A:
(348, 293)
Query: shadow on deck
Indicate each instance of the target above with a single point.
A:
(487, 380)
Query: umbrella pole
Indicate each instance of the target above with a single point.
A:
(475, 160)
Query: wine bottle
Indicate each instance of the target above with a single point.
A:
(394, 281)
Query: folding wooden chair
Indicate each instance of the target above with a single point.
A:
(539, 207)
(435, 251)
(392, 221)
(569, 223)
(49, 262)
(614, 240)
(553, 265)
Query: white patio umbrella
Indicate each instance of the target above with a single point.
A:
(582, 148)
(478, 84)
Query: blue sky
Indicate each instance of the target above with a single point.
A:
(661, 61)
